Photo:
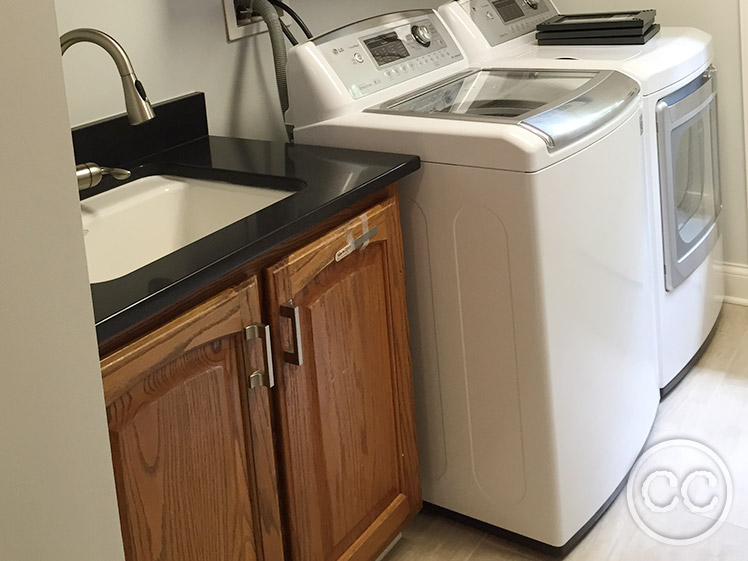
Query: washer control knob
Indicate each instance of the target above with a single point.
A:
(532, 3)
(358, 57)
(421, 34)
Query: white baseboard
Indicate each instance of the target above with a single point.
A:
(736, 283)
(393, 544)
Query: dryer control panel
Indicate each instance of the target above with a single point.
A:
(502, 20)
(380, 52)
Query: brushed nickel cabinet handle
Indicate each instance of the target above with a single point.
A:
(261, 377)
(294, 355)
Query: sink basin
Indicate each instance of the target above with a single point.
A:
(133, 225)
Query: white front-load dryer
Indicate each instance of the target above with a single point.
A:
(528, 279)
(680, 144)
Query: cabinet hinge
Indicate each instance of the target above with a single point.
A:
(261, 377)
(258, 379)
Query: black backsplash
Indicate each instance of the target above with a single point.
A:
(114, 142)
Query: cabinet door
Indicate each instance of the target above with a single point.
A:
(193, 458)
(345, 414)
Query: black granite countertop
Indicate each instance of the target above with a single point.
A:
(326, 181)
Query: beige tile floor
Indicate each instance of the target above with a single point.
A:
(710, 406)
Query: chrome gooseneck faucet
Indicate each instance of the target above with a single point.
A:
(137, 105)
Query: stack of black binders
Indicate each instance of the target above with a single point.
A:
(613, 28)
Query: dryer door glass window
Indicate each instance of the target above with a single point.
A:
(689, 178)
(696, 200)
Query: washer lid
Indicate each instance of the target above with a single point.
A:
(559, 106)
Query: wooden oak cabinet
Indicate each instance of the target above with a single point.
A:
(345, 410)
(212, 464)
(191, 441)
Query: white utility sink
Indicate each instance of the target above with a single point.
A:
(130, 226)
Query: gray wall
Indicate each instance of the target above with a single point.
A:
(57, 498)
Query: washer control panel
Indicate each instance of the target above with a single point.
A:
(502, 20)
(380, 52)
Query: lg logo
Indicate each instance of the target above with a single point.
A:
(679, 492)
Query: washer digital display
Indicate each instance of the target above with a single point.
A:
(509, 10)
(386, 48)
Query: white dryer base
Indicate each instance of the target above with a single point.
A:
(687, 316)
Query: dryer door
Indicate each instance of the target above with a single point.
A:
(689, 176)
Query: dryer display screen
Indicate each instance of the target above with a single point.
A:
(509, 10)
(386, 48)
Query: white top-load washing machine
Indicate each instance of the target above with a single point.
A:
(680, 138)
(529, 284)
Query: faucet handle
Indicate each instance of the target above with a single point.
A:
(90, 174)
(116, 173)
